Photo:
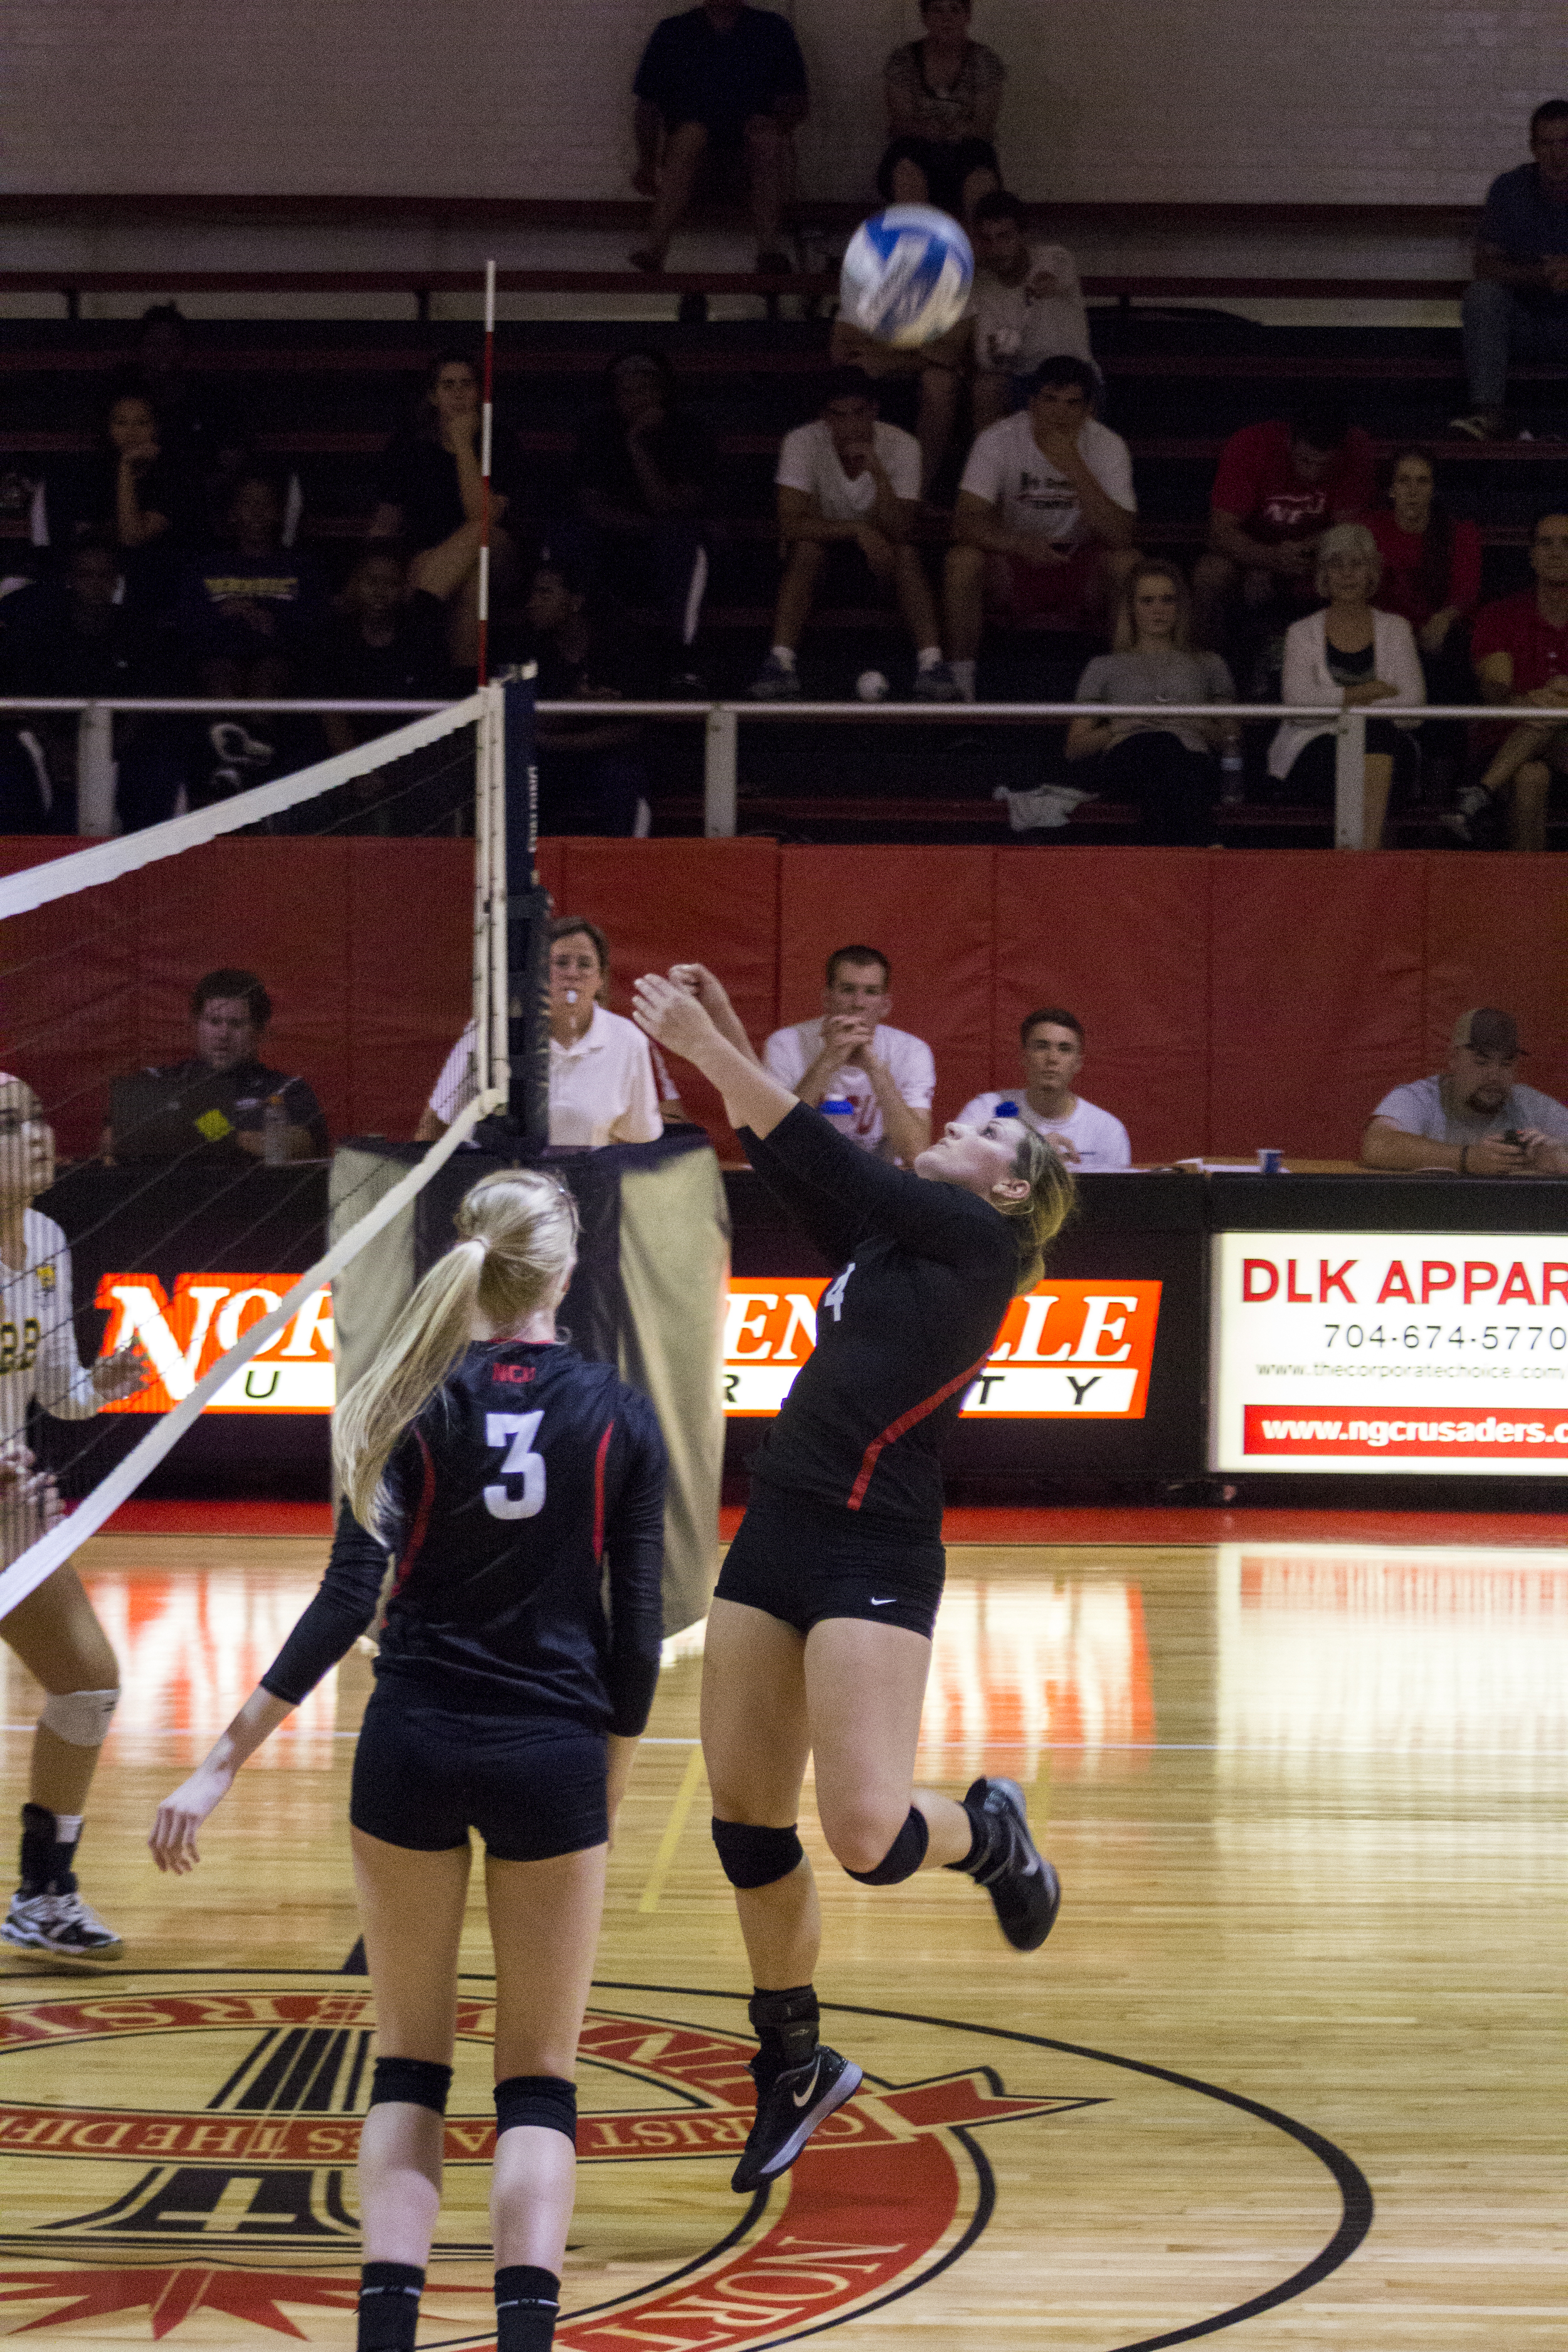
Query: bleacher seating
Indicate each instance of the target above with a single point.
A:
(321, 398)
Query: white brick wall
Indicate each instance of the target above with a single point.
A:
(1336, 101)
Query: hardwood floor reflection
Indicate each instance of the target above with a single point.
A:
(1308, 1805)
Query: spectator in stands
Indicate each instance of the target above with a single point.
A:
(135, 494)
(1516, 305)
(1473, 1118)
(225, 1076)
(384, 642)
(1052, 1044)
(74, 637)
(850, 1054)
(1044, 528)
(1027, 306)
(246, 616)
(645, 469)
(1431, 572)
(432, 499)
(591, 778)
(1519, 648)
(849, 496)
(198, 422)
(937, 369)
(943, 93)
(1168, 766)
(1277, 488)
(601, 1087)
(723, 82)
(1348, 656)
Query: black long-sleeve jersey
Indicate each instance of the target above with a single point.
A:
(529, 1547)
(927, 1272)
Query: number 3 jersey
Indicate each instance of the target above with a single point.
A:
(527, 1514)
(38, 1344)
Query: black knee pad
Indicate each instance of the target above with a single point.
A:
(418, 2082)
(543, 2100)
(903, 1857)
(755, 1857)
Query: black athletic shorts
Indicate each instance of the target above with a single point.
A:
(425, 1775)
(802, 1561)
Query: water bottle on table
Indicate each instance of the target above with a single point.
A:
(274, 1132)
(839, 1112)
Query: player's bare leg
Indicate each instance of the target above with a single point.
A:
(57, 1637)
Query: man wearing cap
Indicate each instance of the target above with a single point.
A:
(1474, 1119)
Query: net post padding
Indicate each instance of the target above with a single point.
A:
(647, 1297)
(40, 1560)
(526, 910)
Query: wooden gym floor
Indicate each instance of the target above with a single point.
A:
(1289, 2071)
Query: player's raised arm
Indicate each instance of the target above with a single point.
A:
(668, 1013)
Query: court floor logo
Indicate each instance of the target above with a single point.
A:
(182, 2148)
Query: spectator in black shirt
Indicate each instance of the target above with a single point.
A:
(74, 638)
(723, 80)
(644, 475)
(819, 1636)
(246, 617)
(198, 424)
(134, 493)
(384, 643)
(230, 1010)
(591, 778)
(521, 1491)
(432, 499)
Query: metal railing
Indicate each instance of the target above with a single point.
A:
(721, 721)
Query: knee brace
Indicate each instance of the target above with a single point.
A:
(749, 1856)
(903, 1857)
(81, 1718)
(543, 2100)
(418, 2081)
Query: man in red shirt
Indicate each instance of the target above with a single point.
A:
(1278, 488)
(1519, 648)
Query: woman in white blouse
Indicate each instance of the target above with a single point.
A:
(602, 1083)
(1346, 656)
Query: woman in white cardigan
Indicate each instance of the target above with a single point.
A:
(1345, 656)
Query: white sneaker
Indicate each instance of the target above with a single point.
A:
(236, 746)
(62, 1925)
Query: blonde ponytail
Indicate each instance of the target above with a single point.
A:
(518, 1240)
(1044, 1210)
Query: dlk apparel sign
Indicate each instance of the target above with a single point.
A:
(1380, 1352)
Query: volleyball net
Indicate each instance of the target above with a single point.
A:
(189, 1016)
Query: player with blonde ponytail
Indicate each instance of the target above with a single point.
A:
(510, 1482)
(819, 1639)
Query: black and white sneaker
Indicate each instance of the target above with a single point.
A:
(789, 2111)
(61, 1927)
(1022, 1884)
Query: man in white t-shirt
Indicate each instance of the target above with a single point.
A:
(850, 1054)
(1027, 306)
(1087, 1138)
(849, 487)
(1474, 1116)
(1043, 531)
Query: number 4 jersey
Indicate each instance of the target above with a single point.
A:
(528, 1507)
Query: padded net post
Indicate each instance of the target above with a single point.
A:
(528, 912)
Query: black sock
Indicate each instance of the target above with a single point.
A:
(389, 2296)
(47, 1857)
(527, 2300)
(785, 2025)
(987, 1831)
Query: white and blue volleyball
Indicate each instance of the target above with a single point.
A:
(907, 275)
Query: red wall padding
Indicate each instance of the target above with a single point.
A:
(1232, 998)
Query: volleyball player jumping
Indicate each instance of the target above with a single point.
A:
(501, 1470)
(819, 1639)
(55, 1630)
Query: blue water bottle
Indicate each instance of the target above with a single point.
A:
(839, 1113)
